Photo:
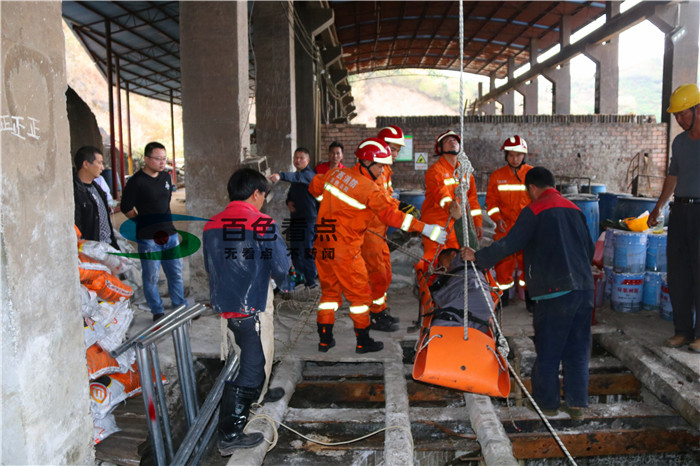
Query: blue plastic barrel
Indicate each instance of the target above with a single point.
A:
(630, 252)
(651, 296)
(593, 188)
(608, 281)
(627, 291)
(588, 203)
(607, 203)
(609, 247)
(415, 198)
(656, 252)
(633, 206)
(666, 312)
(482, 199)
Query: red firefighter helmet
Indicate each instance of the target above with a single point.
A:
(515, 144)
(374, 150)
(438, 141)
(392, 134)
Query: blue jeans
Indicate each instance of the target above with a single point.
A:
(251, 373)
(150, 269)
(562, 335)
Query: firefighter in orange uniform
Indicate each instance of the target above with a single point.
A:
(375, 250)
(506, 196)
(349, 199)
(440, 186)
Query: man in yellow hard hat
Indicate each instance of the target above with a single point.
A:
(683, 250)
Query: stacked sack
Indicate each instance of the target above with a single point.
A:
(106, 319)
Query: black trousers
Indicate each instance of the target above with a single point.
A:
(683, 254)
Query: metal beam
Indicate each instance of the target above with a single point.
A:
(613, 28)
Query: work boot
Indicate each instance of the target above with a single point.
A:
(676, 341)
(530, 304)
(235, 407)
(382, 322)
(395, 319)
(325, 332)
(273, 394)
(365, 344)
(504, 298)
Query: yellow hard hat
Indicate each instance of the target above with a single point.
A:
(637, 223)
(686, 96)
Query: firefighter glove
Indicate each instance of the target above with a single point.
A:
(435, 233)
(409, 209)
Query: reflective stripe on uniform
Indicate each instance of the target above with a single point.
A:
(475, 212)
(380, 301)
(445, 200)
(434, 234)
(406, 224)
(451, 181)
(319, 198)
(328, 306)
(506, 286)
(493, 211)
(358, 309)
(521, 282)
(344, 197)
(511, 187)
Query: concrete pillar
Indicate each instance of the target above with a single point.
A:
(490, 107)
(214, 64)
(275, 93)
(307, 100)
(508, 99)
(680, 24)
(530, 91)
(45, 390)
(561, 76)
(607, 73)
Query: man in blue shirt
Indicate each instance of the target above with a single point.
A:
(557, 252)
(303, 209)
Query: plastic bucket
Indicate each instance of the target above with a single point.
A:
(482, 199)
(633, 206)
(630, 252)
(607, 203)
(656, 252)
(666, 311)
(567, 188)
(593, 188)
(415, 198)
(651, 296)
(588, 203)
(609, 247)
(608, 281)
(627, 291)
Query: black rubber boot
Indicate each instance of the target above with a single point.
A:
(365, 344)
(325, 332)
(504, 298)
(382, 322)
(235, 407)
(530, 304)
(395, 319)
(273, 394)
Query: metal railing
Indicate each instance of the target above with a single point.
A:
(201, 420)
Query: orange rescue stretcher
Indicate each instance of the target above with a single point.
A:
(445, 358)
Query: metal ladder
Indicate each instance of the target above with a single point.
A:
(201, 420)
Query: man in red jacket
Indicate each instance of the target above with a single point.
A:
(506, 196)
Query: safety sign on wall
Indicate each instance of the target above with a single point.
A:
(420, 162)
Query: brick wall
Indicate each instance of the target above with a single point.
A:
(601, 147)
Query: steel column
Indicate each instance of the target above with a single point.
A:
(112, 155)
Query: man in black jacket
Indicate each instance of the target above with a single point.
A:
(557, 252)
(91, 208)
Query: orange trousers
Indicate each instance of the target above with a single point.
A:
(343, 277)
(505, 269)
(377, 257)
